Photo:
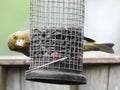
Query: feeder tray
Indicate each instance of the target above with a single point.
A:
(56, 77)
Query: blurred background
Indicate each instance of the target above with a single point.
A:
(102, 22)
(14, 15)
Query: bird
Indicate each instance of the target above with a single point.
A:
(91, 45)
(19, 41)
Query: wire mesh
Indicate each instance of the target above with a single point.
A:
(56, 32)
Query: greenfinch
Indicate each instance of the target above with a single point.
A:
(91, 45)
(20, 42)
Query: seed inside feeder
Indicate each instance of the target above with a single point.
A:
(53, 43)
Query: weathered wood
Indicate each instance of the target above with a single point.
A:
(14, 60)
(2, 78)
(74, 87)
(22, 60)
(97, 78)
(13, 79)
(114, 78)
(102, 60)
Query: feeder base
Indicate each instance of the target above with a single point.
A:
(56, 77)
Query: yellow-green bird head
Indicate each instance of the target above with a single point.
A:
(19, 41)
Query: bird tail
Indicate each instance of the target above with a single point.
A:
(105, 47)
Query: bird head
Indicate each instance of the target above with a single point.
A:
(17, 41)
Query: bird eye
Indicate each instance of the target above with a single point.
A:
(15, 37)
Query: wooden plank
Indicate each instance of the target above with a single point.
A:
(97, 78)
(22, 60)
(74, 87)
(45, 86)
(102, 60)
(114, 78)
(22, 76)
(14, 60)
(2, 78)
(13, 79)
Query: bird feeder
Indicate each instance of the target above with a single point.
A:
(56, 41)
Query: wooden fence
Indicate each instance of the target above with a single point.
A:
(102, 73)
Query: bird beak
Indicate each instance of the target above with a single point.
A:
(19, 43)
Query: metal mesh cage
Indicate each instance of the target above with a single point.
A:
(56, 39)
